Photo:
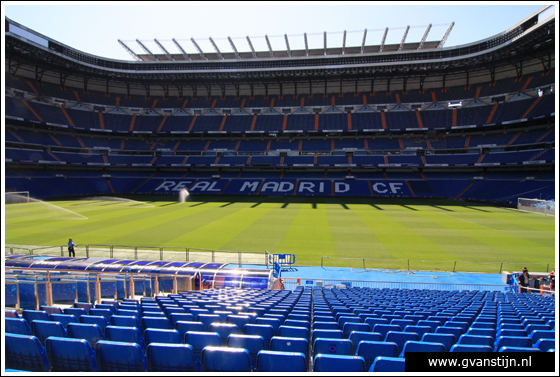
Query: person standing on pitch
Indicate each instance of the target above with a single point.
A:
(71, 245)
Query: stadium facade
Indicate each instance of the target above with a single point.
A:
(416, 119)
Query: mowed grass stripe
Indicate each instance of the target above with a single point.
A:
(308, 236)
(266, 232)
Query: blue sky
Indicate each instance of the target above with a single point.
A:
(95, 27)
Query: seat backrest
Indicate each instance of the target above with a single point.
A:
(65, 319)
(482, 332)
(447, 340)
(90, 332)
(353, 326)
(333, 334)
(111, 307)
(94, 319)
(456, 331)
(287, 344)
(545, 344)
(176, 317)
(25, 352)
(376, 321)
(226, 359)
(266, 331)
(297, 323)
(32, 315)
(51, 309)
(124, 334)
(402, 323)
(252, 343)
(384, 329)
(470, 348)
(184, 326)
(541, 334)
(125, 321)
(511, 333)
(129, 312)
(512, 341)
(420, 330)
(76, 312)
(119, 357)
(325, 325)
(70, 355)
(387, 364)
(331, 346)
(11, 313)
(161, 336)
(208, 319)
(200, 339)
(476, 340)
(156, 323)
(43, 329)
(224, 329)
(274, 322)
(163, 357)
(433, 324)
(401, 337)
(338, 363)
(293, 332)
(107, 313)
(17, 326)
(417, 346)
(369, 350)
(357, 336)
(519, 349)
(277, 361)
(84, 305)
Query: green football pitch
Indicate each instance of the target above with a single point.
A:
(389, 233)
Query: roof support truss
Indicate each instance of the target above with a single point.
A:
(252, 48)
(269, 46)
(199, 49)
(136, 57)
(442, 42)
(325, 42)
(167, 54)
(424, 37)
(404, 38)
(383, 39)
(306, 47)
(146, 49)
(216, 48)
(181, 49)
(343, 42)
(364, 40)
(288, 45)
(234, 48)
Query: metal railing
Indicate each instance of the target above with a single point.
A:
(163, 253)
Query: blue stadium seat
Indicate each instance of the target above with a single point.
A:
(420, 330)
(482, 332)
(65, 319)
(322, 325)
(476, 340)
(447, 340)
(224, 329)
(416, 346)
(119, 357)
(331, 346)
(172, 358)
(276, 361)
(469, 348)
(296, 323)
(512, 341)
(43, 329)
(369, 350)
(384, 329)
(51, 309)
(542, 334)
(125, 321)
(357, 336)
(387, 364)
(94, 319)
(111, 307)
(338, 363)
(76, 312)
(156, 323)
(25, 352)
(462, 325)
(518, 349)
(129, 313)
(545, 344)
(266, 331)
(274, 322)
(226, 359)
(184, 326)
(401, 337)
(125, 334)
(402, 323)
(287, 344)
(349, 327)
(176, 317)
(239, 319)
(508, 332)
(342, 320)
(293, 332)
(198, 340)
(83, 305)
(101, 312)
(455, 331)
(161, 336)
(433, 324)
(90, 332)
(17, 326)
(70, 355)
(11, 314)
(208, 319)
(31, 315)
(252, 343)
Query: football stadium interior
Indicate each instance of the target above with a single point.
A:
(415, 121)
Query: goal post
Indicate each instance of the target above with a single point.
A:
(16, 197)
(546, 207)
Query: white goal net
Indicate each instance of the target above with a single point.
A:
(546, 207)
(16, 197)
